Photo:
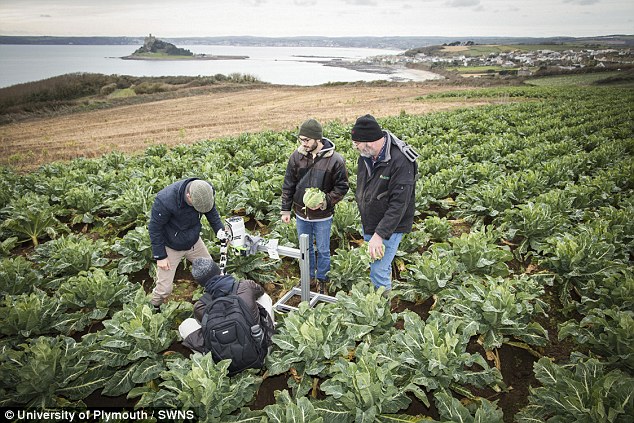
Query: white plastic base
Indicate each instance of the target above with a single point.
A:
(315, 297)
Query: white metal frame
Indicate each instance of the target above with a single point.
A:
(304, 267)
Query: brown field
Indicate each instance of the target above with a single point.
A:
(454, 49)
(132, 128)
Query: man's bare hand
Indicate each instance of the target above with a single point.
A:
(163, 264)
(376, 247)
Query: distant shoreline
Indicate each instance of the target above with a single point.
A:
(396, 71)
(389, 43)
(200, 57)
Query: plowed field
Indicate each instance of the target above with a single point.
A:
(185, 120)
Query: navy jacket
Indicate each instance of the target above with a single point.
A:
(386, 192)
(174, 223)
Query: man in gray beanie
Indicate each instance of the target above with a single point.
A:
(314, 164)
(207, 274)
(204, 269)
(175, 229)
(385, 195)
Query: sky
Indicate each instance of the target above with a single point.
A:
(334, 18)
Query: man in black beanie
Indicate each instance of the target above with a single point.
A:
(386, 182)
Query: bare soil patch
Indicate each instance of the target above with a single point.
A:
(185, 120)
(454, 49)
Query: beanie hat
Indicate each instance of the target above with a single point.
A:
(311, 129)
(366, 129)
(201, 194)
(203, 269)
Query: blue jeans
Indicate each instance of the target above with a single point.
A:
(381, 270)
(319, 234)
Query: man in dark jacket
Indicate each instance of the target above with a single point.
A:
(314, 164)
(207, 274)
(175, 229)
(385, 195)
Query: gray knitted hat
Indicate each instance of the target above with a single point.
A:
(311, 129)
(204, 269)
(202, 195)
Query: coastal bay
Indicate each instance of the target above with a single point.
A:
(276, 65)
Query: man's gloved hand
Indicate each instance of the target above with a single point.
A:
(221, 235)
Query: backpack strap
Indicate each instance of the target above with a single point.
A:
(206, 298)
(266, 323)
(407, 150)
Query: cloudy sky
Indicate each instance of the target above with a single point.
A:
(271, 18)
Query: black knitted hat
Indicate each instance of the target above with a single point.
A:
(366, 129)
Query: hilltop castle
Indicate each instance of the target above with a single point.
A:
(153, 45)
(149, 42)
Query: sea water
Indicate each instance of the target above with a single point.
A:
(276, 65)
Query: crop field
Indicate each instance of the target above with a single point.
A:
(513, 296)
(567, 80)
(477, 69)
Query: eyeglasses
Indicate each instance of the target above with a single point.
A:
(300, 139)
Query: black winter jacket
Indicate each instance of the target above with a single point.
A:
(174, 223)
(385, 195)
(329, 174)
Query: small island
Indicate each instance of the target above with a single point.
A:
(155, 49)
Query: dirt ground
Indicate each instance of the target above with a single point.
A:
(185, 120)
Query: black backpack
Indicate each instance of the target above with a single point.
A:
(227, 333)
